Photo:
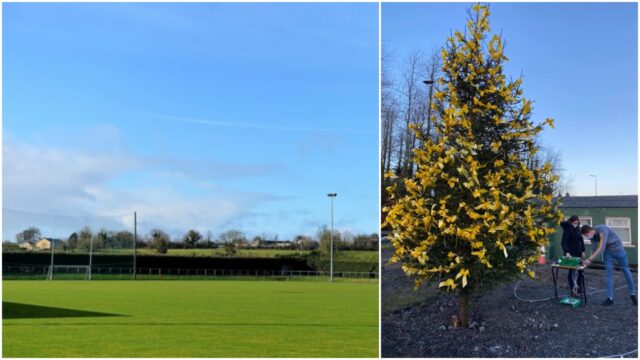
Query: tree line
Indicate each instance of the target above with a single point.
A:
(230, 240)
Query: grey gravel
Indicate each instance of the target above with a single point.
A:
(414, 329)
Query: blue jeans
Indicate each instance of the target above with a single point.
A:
(621, 258)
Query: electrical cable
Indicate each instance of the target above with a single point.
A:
(621, 355)
(515, 293)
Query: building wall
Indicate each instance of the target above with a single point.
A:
(43, 245)
(598, 217)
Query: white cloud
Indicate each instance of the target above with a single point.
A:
(40, 179)
(47, 178)
(240, 124)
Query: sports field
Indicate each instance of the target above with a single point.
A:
(189, 319)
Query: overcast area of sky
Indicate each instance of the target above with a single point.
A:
(205, 116)
(580, 66)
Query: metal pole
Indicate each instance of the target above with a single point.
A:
(331, 270)
(596, 182)
(331, 195)
(90, 255)
(51, 266)
(135, 240)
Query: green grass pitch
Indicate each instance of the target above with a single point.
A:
(189, 319)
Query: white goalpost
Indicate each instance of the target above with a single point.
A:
(69, 246)
(68, 270)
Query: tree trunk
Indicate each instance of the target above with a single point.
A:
(464, 311)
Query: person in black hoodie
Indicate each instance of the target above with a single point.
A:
(573, 245)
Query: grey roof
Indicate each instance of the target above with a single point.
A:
(615, 201)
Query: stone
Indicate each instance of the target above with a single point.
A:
(481, 328)
(442, 327)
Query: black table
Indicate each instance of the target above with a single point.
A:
(554, 273)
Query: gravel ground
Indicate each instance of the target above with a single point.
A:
(415, 324)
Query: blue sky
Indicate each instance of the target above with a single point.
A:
(580, 66)
(206, 116)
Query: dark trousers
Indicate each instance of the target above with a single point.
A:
(580, 278)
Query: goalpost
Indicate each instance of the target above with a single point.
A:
(69, 246)
(78, 270)
(106, 242)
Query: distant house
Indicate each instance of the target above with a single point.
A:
(271, 244)
(45, 244)
(620, 213)
(25, 245)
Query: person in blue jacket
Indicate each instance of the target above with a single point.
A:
(573, 245)
(605, 239)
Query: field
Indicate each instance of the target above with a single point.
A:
(189, 319)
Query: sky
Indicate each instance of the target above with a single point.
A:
(580, 67)
(203, 116)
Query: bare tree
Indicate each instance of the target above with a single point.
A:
(389, 113)
(554, 158)
(30, 235)
(410, 80)
(160, 241)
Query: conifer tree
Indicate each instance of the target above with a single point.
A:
(477, 212)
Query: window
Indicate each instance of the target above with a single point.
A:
(584, 220)
(622, 227)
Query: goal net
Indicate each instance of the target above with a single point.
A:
(60, 246)
(69, 272)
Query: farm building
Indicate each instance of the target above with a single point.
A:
(271, 244)
(620, 213)
(45, 244)
(25, 245)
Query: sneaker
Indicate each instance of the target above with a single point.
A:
(634, 300)
(607, 302)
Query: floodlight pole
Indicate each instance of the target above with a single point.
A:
(50, 275)
(332, 196)
(90, 255)
(596, 179)
(135, 240)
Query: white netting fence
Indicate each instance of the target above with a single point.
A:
(32, 241)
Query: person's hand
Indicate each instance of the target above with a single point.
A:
(587, 262)
(582, 256)
(567, 255)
